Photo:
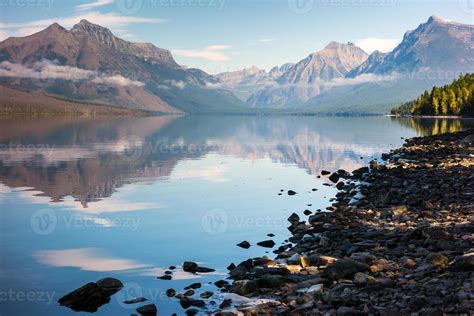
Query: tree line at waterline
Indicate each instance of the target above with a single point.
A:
(455, 99)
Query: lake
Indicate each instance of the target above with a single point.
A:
(87, 198)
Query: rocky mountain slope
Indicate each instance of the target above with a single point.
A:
(89, 63)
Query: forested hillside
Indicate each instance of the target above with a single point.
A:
(456, 98)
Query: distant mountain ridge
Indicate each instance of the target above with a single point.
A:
(342, 78)
(295, 83)
(90, 64)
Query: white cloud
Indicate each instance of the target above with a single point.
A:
(109, 20)
(383, 45)
(117, 80)
(92, 5)
(48, 70)
(364, 78)
(213, 53)
(178, 84)
(265, 40)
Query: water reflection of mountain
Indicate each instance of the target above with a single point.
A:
(89, 158)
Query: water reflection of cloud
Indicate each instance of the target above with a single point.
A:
(194, 169)
(109, 205)
(51, 153)
(88, 259)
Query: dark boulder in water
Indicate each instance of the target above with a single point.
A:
(334, 177)
(244, 244)
(91, 296)
(135, 300)
(266, 243)
(193, 267)
(148, 310)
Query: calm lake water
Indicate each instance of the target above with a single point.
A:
(82, 199)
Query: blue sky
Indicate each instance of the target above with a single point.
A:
(223, 35)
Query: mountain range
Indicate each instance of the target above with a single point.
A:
(89, 64)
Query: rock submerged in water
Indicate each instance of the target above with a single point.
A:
(148, 310)
(193, 267)
(187, 302)
(91, 296)
(244, 244)
(267, 243)
(221, 283)
(334, 177)
(206, 294)
(294, 218)
(226, 303)
(193, 286)
(135, 300)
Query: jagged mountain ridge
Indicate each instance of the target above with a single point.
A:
(296, 83)
(433, 54)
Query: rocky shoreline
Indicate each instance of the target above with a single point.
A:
(398, 240)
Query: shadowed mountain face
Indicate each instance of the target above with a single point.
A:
(436, 45)
(89, 159)
(89, 63)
